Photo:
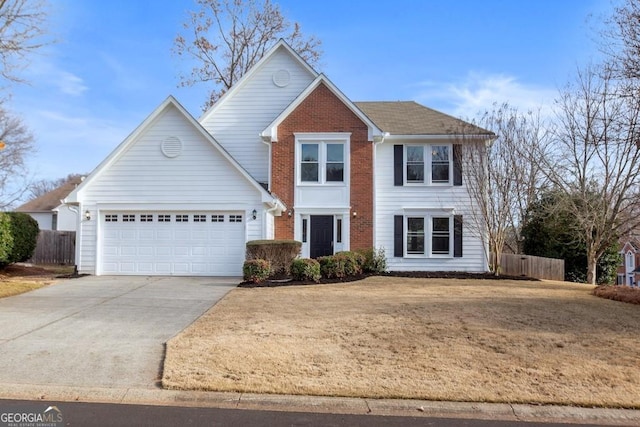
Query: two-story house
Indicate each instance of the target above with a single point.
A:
(629, 269)
(283, 154)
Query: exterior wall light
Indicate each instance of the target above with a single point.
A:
(355, 214)
(87, 215)
(254, 214)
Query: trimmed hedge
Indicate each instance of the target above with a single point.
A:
(305, 269)
(18, 237)
(279, 253)
(256, 270)
(6, 239)
(25, 231)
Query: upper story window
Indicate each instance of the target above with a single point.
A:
(310, 163)
(322, 160)
(430, 164)
(335, 162)
(440, 163)
(427, 164)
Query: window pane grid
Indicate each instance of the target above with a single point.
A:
(440, 163)
(440, 237)
(415, 164)
(415, 236)
(309, 163)
(322, 162)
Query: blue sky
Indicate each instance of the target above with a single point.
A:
(112, 64)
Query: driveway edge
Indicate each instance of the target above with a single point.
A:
(323, 404)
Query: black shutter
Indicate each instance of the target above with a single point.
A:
(398, 154)
(398, 236)
(457, 236)
(457, 164)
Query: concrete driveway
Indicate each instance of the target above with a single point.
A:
(99, 331)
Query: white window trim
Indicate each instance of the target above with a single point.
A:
(322, 139)
(428, 178)
(428, 233)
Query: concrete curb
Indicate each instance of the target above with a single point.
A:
(321, 404)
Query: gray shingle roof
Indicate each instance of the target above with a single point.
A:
(50, 200)
(411, 118)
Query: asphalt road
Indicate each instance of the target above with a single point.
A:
(107, 414)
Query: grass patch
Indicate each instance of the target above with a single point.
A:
(438, 339)
(19, 278)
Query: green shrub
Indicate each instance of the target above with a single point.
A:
(305, 269)
(375, 260)
(352, 262)
(279, 253)
(6, 239)
(330, 267)
(256, 270)
(24, 230)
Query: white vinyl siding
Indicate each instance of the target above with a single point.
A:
(142, 178)
(237, 122)
(422, 201)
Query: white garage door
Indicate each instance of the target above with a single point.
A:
(172, 243)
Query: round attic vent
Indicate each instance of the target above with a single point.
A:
(281, 78)
(171, 147)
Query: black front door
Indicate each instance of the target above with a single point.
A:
(321, 235)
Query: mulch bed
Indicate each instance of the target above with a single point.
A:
(287, 281)
(21, 270)
(618, 293)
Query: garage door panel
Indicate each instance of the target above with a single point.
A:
(162, 251)
(145, 251)
(176, 243)
(164, 234)
(146, 234)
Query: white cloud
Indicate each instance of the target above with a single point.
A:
(477, 92)
(70, 84)
(47, 74)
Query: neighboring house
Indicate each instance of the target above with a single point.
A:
(629, 269)
(49, 210)
(283, 154)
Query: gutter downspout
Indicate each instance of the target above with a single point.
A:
(75, 210)
(377, 140)
(267, 141)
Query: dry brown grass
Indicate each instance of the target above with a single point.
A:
(18, 279)
(440, 339)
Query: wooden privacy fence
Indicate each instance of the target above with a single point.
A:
(532, 266)
(55, 247)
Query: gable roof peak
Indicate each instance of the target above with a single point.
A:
(281, 44)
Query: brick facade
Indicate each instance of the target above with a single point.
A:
(323, 112)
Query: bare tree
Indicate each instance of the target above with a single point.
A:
(17, 144)
(504, 177)
(21, 33)
(227, 37)
(596, 152)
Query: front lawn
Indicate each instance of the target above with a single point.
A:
(440, 339)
